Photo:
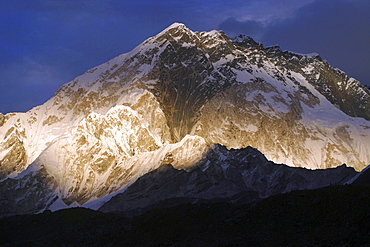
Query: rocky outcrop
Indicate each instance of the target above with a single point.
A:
(31, 193)
(15, 157)
(2, 119)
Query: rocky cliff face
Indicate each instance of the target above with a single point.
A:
(169, 100)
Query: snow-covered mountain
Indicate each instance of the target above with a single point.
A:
(167, 102)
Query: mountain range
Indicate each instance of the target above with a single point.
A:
(177, 117)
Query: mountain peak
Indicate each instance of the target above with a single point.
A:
(247, 41)
(174, 26)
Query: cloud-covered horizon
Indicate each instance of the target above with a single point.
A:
(46, 43)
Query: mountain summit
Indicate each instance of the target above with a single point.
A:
(169, 101)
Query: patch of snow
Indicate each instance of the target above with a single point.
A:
(58, 205)
(243, 76)
(308, 69)
(30, 169)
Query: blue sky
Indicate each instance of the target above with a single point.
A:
(46, 43)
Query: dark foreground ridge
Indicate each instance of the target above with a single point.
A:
(330, 216)
(238, 175)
